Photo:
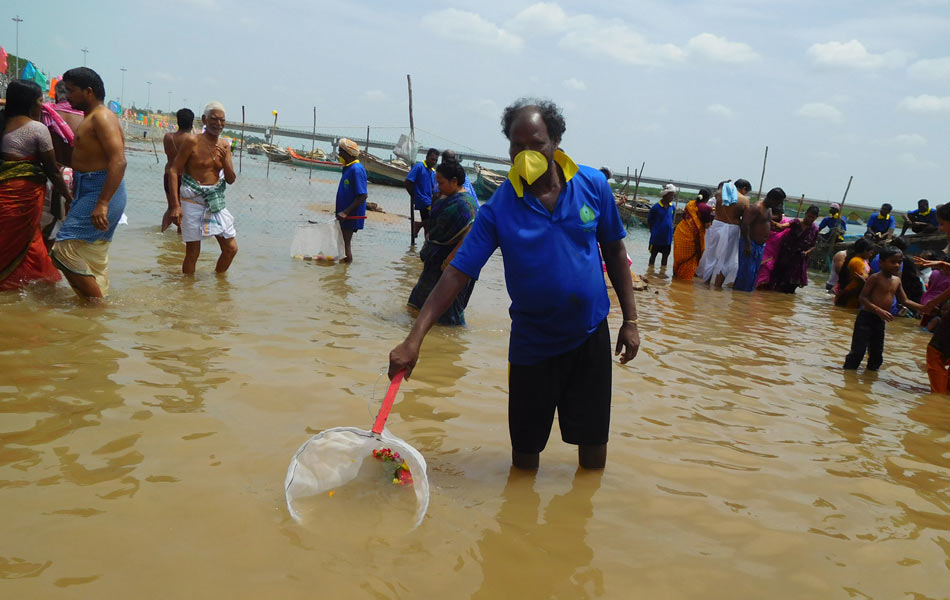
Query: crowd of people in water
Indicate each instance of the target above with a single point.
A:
(724, 239)
(62, 196)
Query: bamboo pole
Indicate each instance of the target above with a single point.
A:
(636, 185)
(626, 184)
(241, 151)
(798, 213)
(155, 150)
(412, 144)
(762, 179)
(272, 132)
(313, 141)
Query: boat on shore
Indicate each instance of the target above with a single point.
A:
(381, 172)
(486, 182)
(276, 153)
(255, 149)
(311, 163)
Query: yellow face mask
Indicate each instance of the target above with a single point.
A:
(528, 166)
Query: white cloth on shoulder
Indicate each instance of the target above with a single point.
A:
(721, 254)
(197, 222)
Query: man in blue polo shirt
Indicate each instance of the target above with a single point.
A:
(922, 220)
(547, 218)
(448, 155)
(881, 224)
(420, 183)
(351, 194)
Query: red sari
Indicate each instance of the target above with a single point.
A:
(23, 256)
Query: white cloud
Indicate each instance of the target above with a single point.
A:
(825, 155)
(819, 110)
(931, 69)
(909, 139)
(925, 103)
(909, 159)
(598, 38)
(575, 84)
(542, 17)
(375, 96)
(720, 111)
(472, 28)
(719, 49)
(853, 55)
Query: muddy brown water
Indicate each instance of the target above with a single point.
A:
(143, 445)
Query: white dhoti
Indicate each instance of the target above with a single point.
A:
(197, 222)
(721, 254)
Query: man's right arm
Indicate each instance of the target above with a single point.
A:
(173, 214)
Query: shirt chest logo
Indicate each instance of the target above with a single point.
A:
(587, 214)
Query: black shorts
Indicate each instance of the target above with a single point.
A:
(664, 250)
(576, 384)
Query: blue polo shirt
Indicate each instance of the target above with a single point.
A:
(352, 184)
(830, 223)
(929, 217)
(879, 225)
(552, 264)
(423, 179)
(660, 221)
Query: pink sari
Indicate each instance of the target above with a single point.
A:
(772, 247)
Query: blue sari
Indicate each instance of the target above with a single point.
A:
(449, 221)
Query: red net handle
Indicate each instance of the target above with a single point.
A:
(383, 413)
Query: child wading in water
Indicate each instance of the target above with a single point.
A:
(876, 300)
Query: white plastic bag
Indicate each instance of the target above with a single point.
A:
(407, 149)
(318, 241)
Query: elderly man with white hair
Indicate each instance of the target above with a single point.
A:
(205, 167)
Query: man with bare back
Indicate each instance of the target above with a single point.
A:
(172, 142)
(81, 250)
(720, 261)
(755, 227)
(204, 164)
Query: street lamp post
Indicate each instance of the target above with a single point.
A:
(19, 61)
(84, 51)
(122, 96)
(148, 101)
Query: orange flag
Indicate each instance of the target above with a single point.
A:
(52, 87)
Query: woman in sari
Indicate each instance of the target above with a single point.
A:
(791, 264)
(28, 160)
(779, 227)
(689, 237)
(450, 219)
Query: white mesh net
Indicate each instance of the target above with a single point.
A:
(318, 241)
(338, 466)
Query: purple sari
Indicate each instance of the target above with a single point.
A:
(791, 264)
(768, 256)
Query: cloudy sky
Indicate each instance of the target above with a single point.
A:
(694, 89)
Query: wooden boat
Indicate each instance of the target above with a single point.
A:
(382, 172)
(486, 182)
(308, 163)
(255, 149)
(917, 243)
(276, 153)
(636, 213)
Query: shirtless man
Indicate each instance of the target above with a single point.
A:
(81, 250)
(172, 142)
(755, 226)
(720, 261)
(199, 206)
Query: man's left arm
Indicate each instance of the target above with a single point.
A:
(229, 175)
(628, 339)
(610, 234)
(110, 137)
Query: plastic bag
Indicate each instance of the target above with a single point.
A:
(407, 149)
(318, 241)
